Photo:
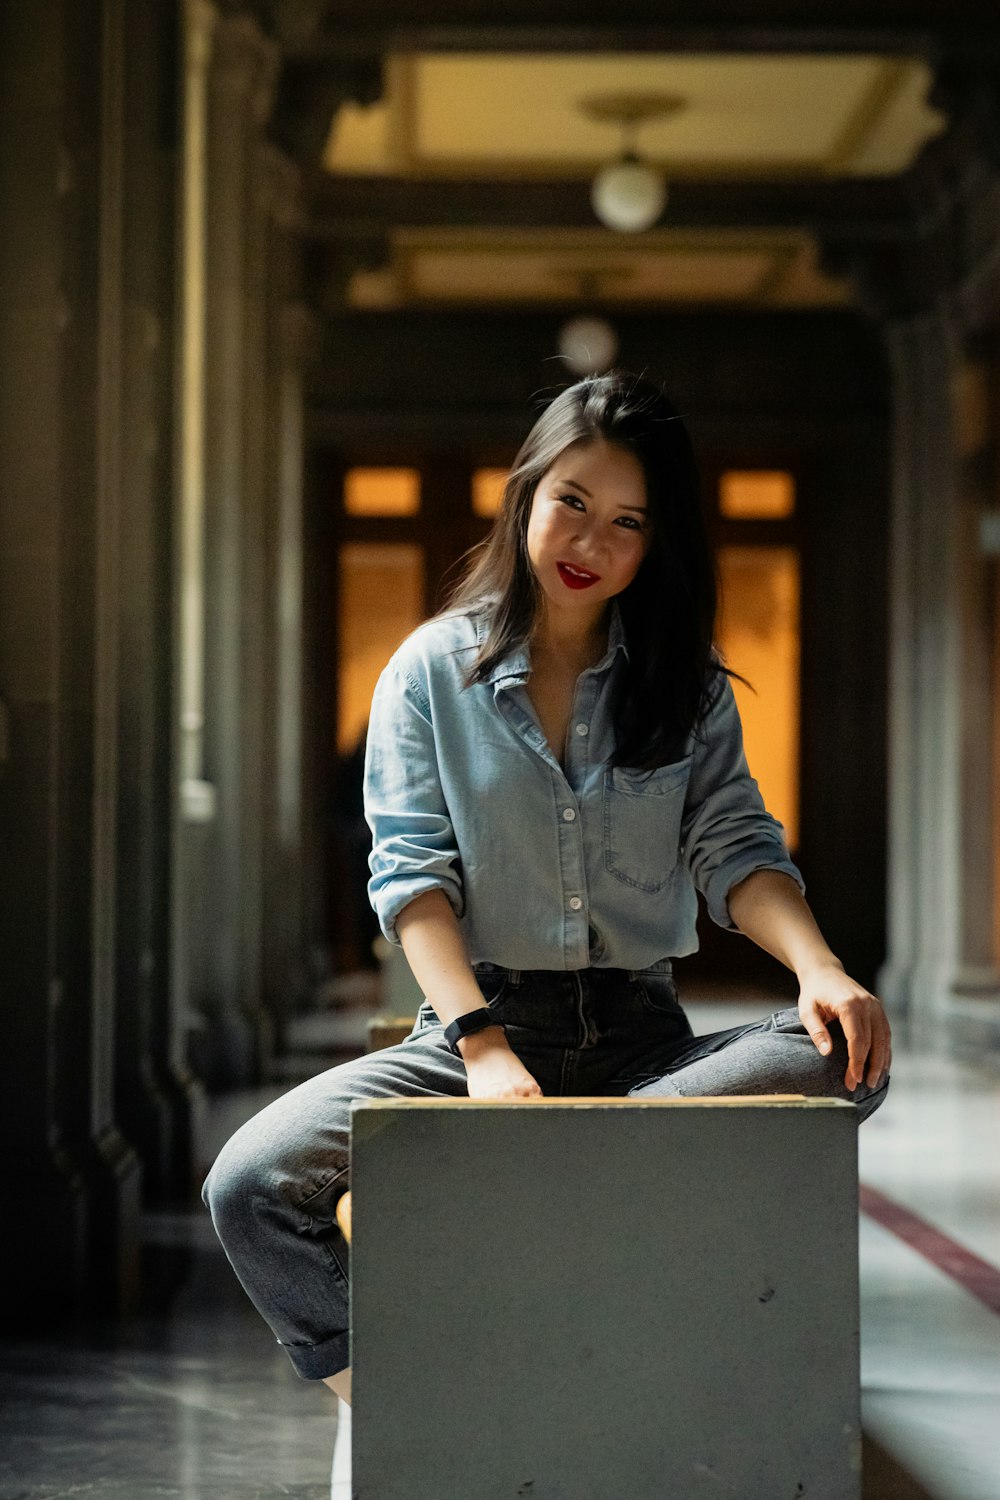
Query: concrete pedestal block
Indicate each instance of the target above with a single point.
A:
(605, 1299)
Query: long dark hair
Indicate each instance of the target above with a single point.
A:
(668, 610)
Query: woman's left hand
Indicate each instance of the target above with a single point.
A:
(826, 993)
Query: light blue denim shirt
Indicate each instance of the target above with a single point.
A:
(546, 868)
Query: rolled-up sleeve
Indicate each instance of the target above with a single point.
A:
(726, 831)
(413, 841)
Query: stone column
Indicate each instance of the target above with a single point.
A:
(923, 677)
(258, 500)
(154, 1090)
(975, 984)
(222, 903)
(287, 939)
(115, 1172)
(72, 1240)
(292, 344)
(940, 863)
(192, 796)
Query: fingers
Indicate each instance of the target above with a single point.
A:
(811, 1021)
(880, 1058)
(869, 1043)
(878, 1051)
(866, 1032)
(857, 1026)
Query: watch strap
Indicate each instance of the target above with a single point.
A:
(468, 1025)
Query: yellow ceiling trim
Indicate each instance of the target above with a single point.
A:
(548, 169)
(402, 100)
(871, 110)
(608, 282)
(400, 97)
(403, 263)
(776, 274)
(590, 242)
(590, 281)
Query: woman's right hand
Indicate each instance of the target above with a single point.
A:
(496, 1072)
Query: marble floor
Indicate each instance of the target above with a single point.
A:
(194, 1399)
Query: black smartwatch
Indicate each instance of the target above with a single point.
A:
(472, 1021)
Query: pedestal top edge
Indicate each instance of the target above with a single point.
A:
(574, 1101)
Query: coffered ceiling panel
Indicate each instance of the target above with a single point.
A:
(489, 115)
(447, 267)
(694, 272)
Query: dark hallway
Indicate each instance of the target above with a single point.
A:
(284, 284)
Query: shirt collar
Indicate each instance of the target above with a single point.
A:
(517, 663)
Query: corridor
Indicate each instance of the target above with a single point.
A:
(289, 290)
(195, 1401)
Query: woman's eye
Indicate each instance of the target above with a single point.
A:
(631, 524)
(571, 500)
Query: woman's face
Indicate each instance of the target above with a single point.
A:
(590, 526)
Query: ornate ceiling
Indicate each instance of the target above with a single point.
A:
(488, 117)
(448, 160)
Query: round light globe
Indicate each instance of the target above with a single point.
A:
(628, 195)
(588, 345)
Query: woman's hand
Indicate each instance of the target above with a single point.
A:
(826, 993)
(497, 1072)
(435, 950)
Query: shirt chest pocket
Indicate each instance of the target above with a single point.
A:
(642, 822)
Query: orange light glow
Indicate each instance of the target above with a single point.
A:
(759, 633)
(382, 492)
(757, 494)
(487, 490)
(381, 601)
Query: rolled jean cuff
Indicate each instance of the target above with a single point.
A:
(318, 1361)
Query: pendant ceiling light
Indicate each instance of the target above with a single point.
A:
(629, 194)
(588, 345)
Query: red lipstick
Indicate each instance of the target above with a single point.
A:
(575, 577)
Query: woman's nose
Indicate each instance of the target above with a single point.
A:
(588, 547)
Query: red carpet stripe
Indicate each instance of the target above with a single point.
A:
(973, 1273)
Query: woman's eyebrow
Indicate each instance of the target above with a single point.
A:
(642, 509)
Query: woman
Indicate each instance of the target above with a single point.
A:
(554, 766)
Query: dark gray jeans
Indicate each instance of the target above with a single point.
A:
(273, 1188)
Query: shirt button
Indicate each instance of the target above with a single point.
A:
(583, 729)
(568, 815)
(575, 903)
